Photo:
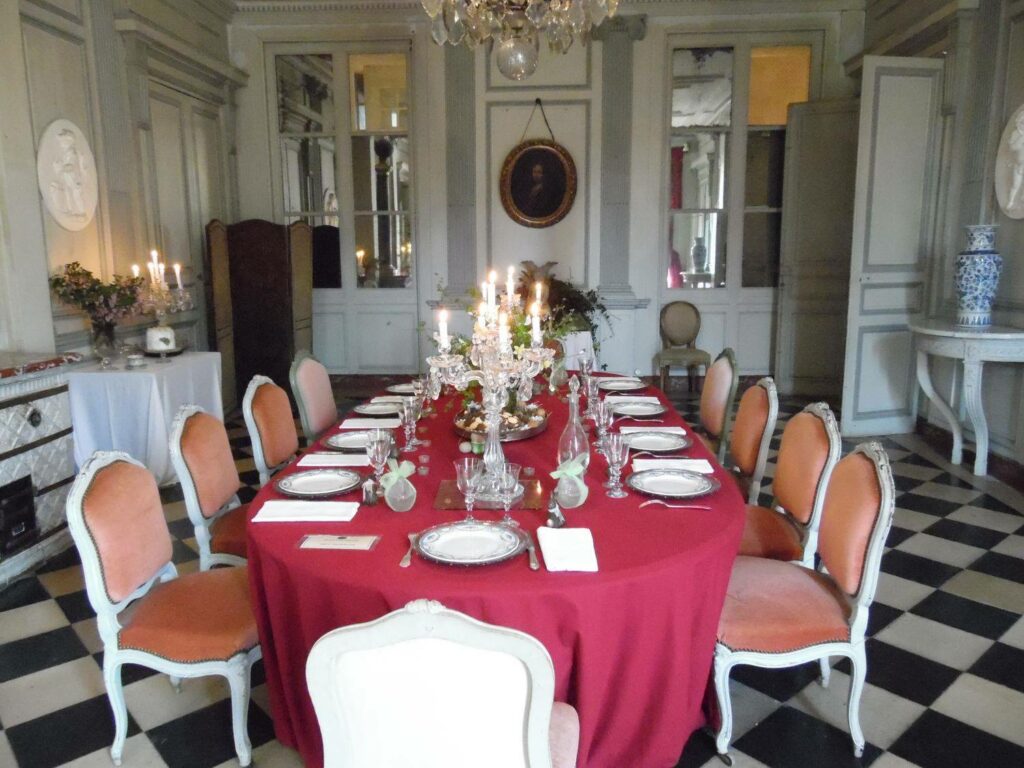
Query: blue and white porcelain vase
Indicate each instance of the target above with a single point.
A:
(699, 255)
(977, 277)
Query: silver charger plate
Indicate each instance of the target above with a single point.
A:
(638, 409)
(672, 483)
(378, 409)
(470, 542)
(656, 442)
(402, 389)
(620, 384)
(318, 483)
(354, 441)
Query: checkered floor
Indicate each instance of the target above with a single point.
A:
(945, 659)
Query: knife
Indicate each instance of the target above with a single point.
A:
(532, 552)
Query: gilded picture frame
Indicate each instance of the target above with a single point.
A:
(538, 183)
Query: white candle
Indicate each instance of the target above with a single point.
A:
(535, 320)
(503, 339)
(481, 315)
(135, 270)
(152, 272)
(177, 274)
(537, 287)
(509, 286)
(163, 273)
(442, 328)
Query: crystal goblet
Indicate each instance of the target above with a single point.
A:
(617, 451)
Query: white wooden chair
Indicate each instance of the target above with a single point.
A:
(196, 625)
(779, 614)
(311, 386)
(429, 687)
(202, 459)
(808, 452)
(752, 431)
(268, 417)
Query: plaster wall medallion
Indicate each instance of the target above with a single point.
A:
(67, 175)
(1010, 167)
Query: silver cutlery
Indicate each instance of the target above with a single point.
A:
(531, 550)
(406, 560)
(660, 455)
(674, 506)
(639, 418)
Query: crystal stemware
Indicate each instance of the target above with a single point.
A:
(603, 419)
(593, 393)
(468, 473)
(410, 415)
(508, 483)
(617, 451)
(378, 449)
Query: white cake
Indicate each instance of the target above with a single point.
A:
(160, 338)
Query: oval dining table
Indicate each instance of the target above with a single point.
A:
(632, 644)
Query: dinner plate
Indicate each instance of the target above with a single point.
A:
(637, 409)
(470, 542)
(402, 389)
(378, 409)
(316, 483)
(672, 483)
(656, 442)
(620, 384)
(354, 441)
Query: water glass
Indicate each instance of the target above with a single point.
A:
(410, 415)
(468, 474)
(603, 419)
(378, 450)
(593, 393)
(618, 454)
(508, 483)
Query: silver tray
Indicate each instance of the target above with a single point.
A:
(672, 483)
(505, 435)
(318, 483)
(378, 409)
(349, 441)
(657, 442)
(470, 542)
(639, 409)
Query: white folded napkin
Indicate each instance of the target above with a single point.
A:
(370, 424)
(631, 399)
(667, 430)
(301, 511)
(388, 399)
(334, 460)
(694, 465)
(568, 549)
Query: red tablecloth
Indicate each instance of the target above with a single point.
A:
(631, 644)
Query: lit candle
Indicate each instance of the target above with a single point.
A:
(535, 319)
(509, 287)
(537, 287)
(442, 328)
(503, 339)
(163, 273)
(481, 315)
(177, 274)
(135, 270)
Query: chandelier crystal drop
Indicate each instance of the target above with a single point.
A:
(515, 27)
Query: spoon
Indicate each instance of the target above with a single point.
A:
(673, 506)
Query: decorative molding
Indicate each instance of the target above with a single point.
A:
(291, 6)
(187, 57)
(635, 27)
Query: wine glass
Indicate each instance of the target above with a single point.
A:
(508, 483)
(468, 472)
(603, 420)
(617, 451)
(378, 449)
(593, 393)
(410, 414)
(586, 365)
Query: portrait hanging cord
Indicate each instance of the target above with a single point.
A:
(538, 179)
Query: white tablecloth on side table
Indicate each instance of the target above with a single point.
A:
(132, 411)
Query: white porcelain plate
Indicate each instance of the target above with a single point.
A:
(348, 441)
(656, 442)
(638, 409)
(470, 542)
(402, 389)
(672, 483)
(378, 409)
(315, 483)
(623, 384)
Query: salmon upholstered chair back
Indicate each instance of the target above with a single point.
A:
(809, 449)
(752, 431)
(858, 512)
(268, 417)
(118, 525)
(311, 386)
(679, 324)
(205, 459)
(717, 397)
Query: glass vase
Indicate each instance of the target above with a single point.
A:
(573, 441)
(103, 341)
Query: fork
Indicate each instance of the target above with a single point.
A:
(674, 506)
(639, 418)
(660, 455)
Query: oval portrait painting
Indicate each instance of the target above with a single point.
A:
(67, 175)
(538, 183)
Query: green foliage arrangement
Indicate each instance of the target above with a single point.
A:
(105, 303)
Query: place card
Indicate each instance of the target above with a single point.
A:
(568, 549)
(450, 497)
(302, 511)
(334, 460)
(370, 424)
(667, 430)
(693, 465)
(325, 541)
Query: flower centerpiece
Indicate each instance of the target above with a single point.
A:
(104, 303)
(567, 307)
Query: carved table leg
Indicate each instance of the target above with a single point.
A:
(976, 410)
(924, 378)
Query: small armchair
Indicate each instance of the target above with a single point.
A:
(752, 432)
(430, 687)
(311, 386)
(716, 401)
(201, 455)
(780, 614)
(679, 327)
(268, 417)
(189, 626)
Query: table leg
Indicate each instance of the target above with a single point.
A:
(976, 410)
(924, 379)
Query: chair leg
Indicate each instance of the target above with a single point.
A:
(239, 679)
(859, 665)
(115, 692)
(724, 735)
(826, 671)
(175, 683)
(691, 374)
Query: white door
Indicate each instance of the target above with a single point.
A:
(898, 159)
(817, 224)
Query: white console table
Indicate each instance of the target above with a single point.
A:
(974, 347)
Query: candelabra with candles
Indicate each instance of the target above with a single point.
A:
(161, 300)
(496, 366)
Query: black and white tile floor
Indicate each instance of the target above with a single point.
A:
(945, 658)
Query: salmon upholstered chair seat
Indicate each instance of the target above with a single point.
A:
(771, 534)
(229, 532)
(775, 607)
(204, 616)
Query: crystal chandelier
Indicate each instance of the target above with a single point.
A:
(515, 27)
